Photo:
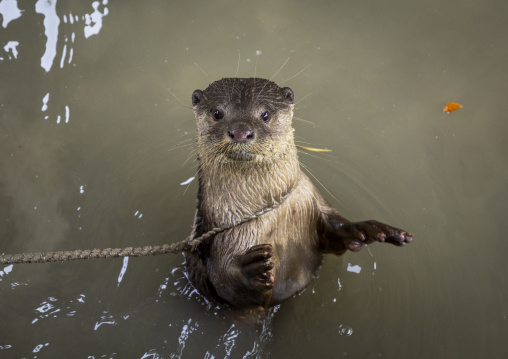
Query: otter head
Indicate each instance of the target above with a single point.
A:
(243, 120)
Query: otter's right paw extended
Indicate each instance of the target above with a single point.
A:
(256, 266)
(360, 233)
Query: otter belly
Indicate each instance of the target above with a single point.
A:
(293, 261)
(297, 265)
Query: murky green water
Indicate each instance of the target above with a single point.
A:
(94, 146)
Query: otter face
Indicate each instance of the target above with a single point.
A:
(243, 119)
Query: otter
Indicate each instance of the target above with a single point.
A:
(248, 163)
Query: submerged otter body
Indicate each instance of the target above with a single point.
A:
(248, 163)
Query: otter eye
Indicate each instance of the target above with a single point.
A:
(217, 114)
(266, 116)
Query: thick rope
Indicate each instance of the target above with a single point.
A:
(187, 245)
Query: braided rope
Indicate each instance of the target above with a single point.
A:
(187, 245)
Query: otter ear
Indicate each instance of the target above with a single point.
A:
(197, 96)
(288, 94)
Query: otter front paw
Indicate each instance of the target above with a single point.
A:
(256, 266)
(360, 233)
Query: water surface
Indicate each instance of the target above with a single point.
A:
(96, 138)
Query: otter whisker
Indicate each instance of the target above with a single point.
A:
(178, 104)
(181, 103)
(199, 67)
(299, 139)
(189, 184)
(292, 77)
(181, 147)
(255, 68)
(270, 79)
(186, 141)
(331, 160)
(275, 74)
(236, 74)
(303, 98)
(306, 121)
(187, 134)
(318, 181)
(190, 155)
(238, 65)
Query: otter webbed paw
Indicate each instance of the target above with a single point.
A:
(256, 266)
(356, 234)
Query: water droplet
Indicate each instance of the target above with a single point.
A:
(345, 330)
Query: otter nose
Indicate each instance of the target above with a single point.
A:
(241, 135)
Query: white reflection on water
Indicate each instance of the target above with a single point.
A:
(44, 108)
(5, 271)
(345, 330)
(92, 26)
(152, 353)
(9, 11)
(94, 20)
(52, 307)
(229, 339)
(39, 347)
(45, 103)
(187, 329)
(123, 270)
(355, 269)
(51, 23)
(59, 118)
(106, 318)
(47, 309)
(10, 48)
(187, 181)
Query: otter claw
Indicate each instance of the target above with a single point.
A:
(354, 246)
(266, 279)
(256, 266)
(257, 253)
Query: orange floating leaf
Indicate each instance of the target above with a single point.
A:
(451, 106)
